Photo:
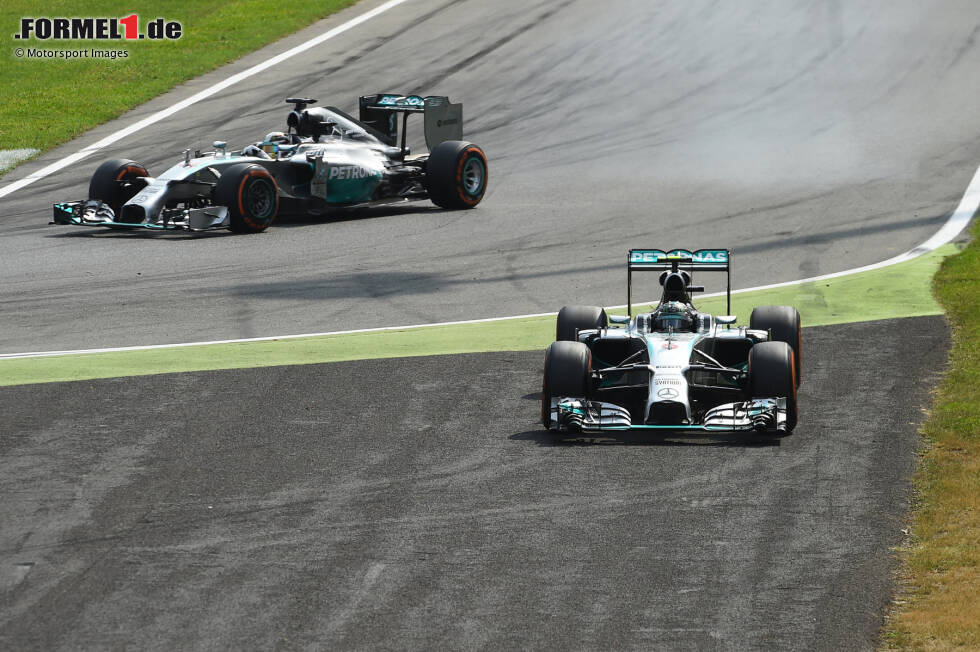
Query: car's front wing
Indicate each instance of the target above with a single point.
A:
(580, 415)
(96, 213)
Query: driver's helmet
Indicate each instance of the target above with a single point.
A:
(274, 141)
(673, 315)
(277, 137)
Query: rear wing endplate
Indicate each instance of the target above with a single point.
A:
(659, 260)
(443, 119)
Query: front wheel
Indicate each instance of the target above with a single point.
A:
(784, 325)
(567, 366)
(456, 174)
(772, 375)
(251, 195)
(117, 181)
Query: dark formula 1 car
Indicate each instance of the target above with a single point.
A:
(326, 160)
(674, 368)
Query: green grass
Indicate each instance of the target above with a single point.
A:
(48, 102)
(896, 291)
(940, 607)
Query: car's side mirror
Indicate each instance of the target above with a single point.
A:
(726, 319)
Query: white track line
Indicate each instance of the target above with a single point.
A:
(197, 97)
(953, 227)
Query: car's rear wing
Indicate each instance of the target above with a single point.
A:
(659, 260)
(443, 119)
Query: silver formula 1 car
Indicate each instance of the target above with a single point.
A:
(324, 161)
(674, 368)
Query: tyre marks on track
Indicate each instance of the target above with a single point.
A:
(428, 506)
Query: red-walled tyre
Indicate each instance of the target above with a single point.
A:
(772, 375)
(784, 325)
(251, 195)
(117, 181)
(456, 174)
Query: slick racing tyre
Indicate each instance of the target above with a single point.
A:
(572, 319)
(115, 182)
(456, 174)
(567, 366)
(771, 374)
(251, 195)
(783, 324)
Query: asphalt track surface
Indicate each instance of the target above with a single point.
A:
(809, 137)
(416, 503)
(413, 503)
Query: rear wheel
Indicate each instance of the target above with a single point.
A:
(456, 174)
(784, 325)
(572, 319)
(771, 372)
(567, 366)
(115, 182)
(251, 195)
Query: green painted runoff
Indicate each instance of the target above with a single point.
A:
(902, 290)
